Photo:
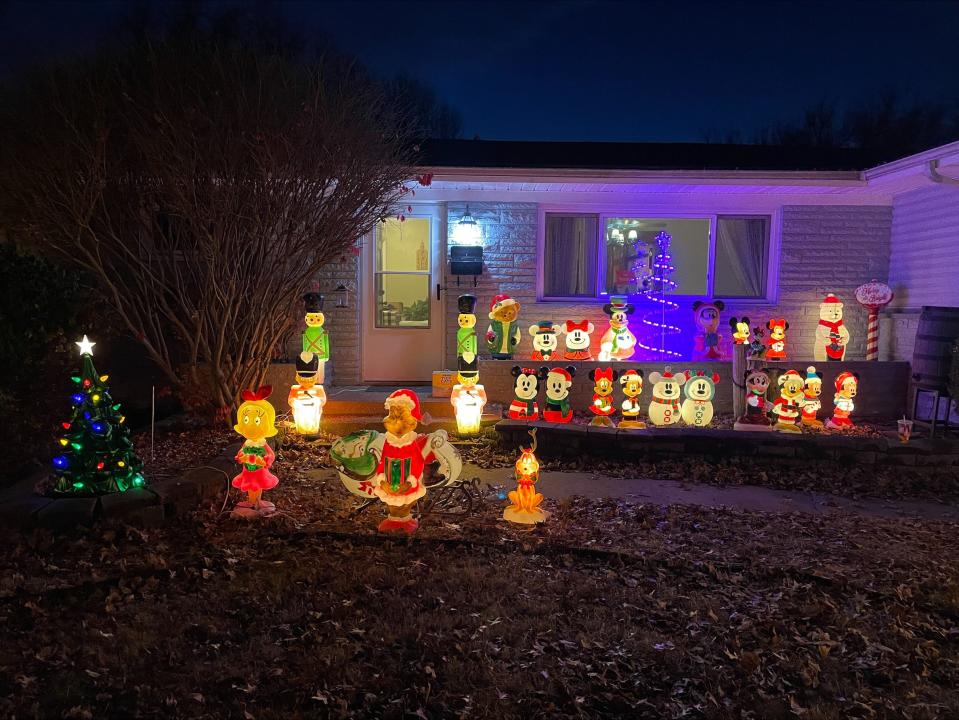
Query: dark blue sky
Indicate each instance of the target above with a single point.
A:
(599, 70)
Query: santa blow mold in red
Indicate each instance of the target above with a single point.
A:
(399, 475)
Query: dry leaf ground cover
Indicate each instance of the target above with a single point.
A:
(609, 610)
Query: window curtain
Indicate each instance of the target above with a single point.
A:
(741, 257)
(571, 256)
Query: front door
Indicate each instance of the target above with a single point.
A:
(403, 320)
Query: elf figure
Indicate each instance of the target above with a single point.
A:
(847, 386)
(399, 481)
(812, 389)
(255, 422)
(467, 361)
(315, 338)
(503, 334)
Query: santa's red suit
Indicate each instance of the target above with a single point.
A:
(786, 410)
(402, 461)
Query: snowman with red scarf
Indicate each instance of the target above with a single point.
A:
(399, 481)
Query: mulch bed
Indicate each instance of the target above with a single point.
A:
(610, 609)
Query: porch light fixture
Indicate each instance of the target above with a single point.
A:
(342, 295)
(467, 230)
(466, 248)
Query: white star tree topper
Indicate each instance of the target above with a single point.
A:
(85, 345)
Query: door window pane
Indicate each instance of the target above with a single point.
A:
(742, 255)
(570, 251)
(631, 247)
(403, 300)
(403, 246)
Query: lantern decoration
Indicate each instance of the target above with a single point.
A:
(847, 386)
(399, 480)
(255, 421)
(315, 338)
(525, 387)
(740, 329)
(467, 360)
(558, 381)
(617, 343)
(665, 407)
(468, 399)
(602, 407)
(657, 287)
(503, 334)
(776, 340)
(700, 389)
(873, 296)
(787, 406)
(578, 340)
(545, 337)
(525, 508)
(832, 335)
(95, 455)
(632, 384)
(306, 397)
(708, 342)
(812, 389)
(755, 417)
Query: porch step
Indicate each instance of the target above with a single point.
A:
(346, 424)
(362, 401)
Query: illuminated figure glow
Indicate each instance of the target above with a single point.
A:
(525, 508)
(557, 381)
(545, 336)
(832, 335)
(525, 387)
(399, 480)
(847, 386)
(708, 344)
(315, 338)
(602, 407)
(657, 288)
(255, 421)
(740, 328)
(632, 384)
(776, 341)
(617, 343)
(503, 334)
(699, 389)
(306, 398)
(812, 389)
(788, 405)
(467, 359)
(468, 400)
(577, 339)
(665, 407)
(873, 296)
(757, 346)
(755, 416)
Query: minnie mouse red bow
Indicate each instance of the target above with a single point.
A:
(570, 326)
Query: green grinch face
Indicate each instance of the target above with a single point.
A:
(466, 320)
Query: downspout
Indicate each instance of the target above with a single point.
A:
(932, 172)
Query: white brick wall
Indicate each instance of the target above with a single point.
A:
(923, 260)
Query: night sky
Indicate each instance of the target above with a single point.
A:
(594, 70)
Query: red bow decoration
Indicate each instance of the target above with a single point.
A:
(261, 394)
(570, 326)
(606, 374)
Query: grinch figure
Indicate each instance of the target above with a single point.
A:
(315, 338)
(399, 480)
(467, 362)
(503, 334)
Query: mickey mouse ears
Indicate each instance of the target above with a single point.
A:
(261, 394)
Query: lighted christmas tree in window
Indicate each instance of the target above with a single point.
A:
(657, 288)
(96, 454)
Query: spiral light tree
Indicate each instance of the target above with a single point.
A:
(656, 290)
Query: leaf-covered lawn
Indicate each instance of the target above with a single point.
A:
(609, 610)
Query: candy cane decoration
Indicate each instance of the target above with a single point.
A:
(873, 296)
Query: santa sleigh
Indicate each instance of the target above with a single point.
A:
(357, 455)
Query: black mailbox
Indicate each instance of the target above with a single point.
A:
(466, 260)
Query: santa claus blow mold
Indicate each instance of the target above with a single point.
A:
(399, 475)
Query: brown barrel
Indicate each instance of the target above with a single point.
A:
(932, 355)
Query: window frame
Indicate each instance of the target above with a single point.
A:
(773, 216)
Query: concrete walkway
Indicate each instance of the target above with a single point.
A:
(558, 485)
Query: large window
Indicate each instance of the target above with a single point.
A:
(593, 256)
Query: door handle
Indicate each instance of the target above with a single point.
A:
(438, 289)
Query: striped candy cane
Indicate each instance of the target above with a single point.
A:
(873, 296)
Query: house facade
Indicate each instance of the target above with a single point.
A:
(564, 226)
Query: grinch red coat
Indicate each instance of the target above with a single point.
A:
(402, 461)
